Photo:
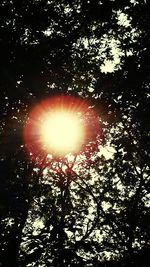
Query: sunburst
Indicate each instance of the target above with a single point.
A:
(61, 132)
(58, 126)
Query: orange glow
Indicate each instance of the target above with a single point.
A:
(58, 126)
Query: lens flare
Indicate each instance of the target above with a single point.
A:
(58, 126)
(61, 132)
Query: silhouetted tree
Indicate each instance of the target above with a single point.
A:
(95, 214)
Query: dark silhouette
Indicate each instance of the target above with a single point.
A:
(57, 214)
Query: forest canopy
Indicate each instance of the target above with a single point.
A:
(89, 209)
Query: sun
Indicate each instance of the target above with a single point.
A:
(61, 132)
(58, 126)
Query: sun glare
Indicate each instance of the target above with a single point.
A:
(61, 132)
(59, 126)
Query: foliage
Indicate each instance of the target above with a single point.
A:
(96, 211)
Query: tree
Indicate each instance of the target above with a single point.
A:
(53, 47)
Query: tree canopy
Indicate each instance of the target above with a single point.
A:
(90, 210)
